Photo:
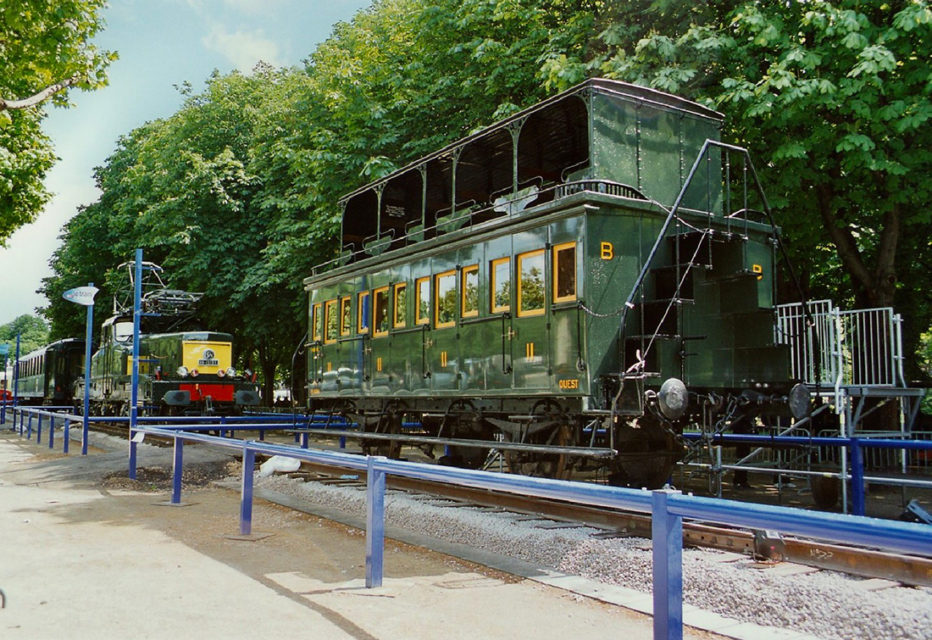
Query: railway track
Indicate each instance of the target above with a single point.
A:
(867, 563)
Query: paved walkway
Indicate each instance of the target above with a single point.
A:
(84, 557)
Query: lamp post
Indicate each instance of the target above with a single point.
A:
(85, 297)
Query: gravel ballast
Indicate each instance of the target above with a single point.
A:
(821, 603)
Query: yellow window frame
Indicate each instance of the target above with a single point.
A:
(438, 298)
(362, 324)
(346, 321)
(464, 274)
(316, 333)
(418, 318)
(375, 309)
(330, 307)
(522, 312)
(554, 264)
(493, 285)
(400, 288)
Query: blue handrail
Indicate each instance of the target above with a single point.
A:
(667, 509)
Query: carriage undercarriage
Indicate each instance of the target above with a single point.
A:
(548, 437)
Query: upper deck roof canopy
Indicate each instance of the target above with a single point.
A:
(600, 130)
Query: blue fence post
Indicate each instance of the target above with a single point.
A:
(177, 470)
(667, 550)
(67, 436)
(857, 478)
(245, 506)
(375, 522)
(132, 454)
(39, 431)
(51, 432)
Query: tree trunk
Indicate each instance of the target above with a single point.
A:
(269, 364)
(873, 287)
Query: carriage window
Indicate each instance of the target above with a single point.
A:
(564, 272)
(330, 321)
(501, 285)
(346, 316)
(422, 300)
(380, 315)
(401, 297)
(445, 287)
(531, 283)
(362, 312)
(470, 291)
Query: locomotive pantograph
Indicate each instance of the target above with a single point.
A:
(570, 286)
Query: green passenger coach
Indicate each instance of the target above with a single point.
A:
(571, 285)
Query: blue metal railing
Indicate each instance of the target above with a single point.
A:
(855, 445)
(667, 508)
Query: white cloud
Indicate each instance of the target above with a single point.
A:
(243, 48)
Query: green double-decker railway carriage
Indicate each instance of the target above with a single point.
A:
(529, 283)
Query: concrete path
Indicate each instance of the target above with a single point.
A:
(86, 556)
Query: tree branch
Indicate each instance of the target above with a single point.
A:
(845, 244)
(39, 97)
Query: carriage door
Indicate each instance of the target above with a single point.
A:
(530, 322)
(498, 334)
(443, 351)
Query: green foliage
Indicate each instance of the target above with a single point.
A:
(41, 43)
(237, 194)
(833, 98)
(33, 333)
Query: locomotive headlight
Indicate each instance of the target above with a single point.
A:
(194, 373)
(231, 372)
(221, 373)
(799, 401)
(182, 371)
(673, 398)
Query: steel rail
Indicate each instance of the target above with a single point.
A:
(859, 561)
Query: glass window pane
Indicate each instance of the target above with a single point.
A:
(316, 322)
(446, 299)
(531, 283)
(501, 285)
(470, 291)
(380, 321)
(362, 313)
(401, 296)
(346, 319)
(330, 311)
(423, 300)
(564, 273)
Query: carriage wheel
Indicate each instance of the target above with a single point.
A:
(389, 422)
(463, 421)
(544, 465)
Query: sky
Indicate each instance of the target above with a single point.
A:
(161, 44)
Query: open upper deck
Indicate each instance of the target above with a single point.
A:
(622, 138)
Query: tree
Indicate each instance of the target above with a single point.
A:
(833, 98)
(45, 50)
(32, 331)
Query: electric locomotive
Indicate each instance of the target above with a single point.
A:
(183, 369)
(571, 286)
